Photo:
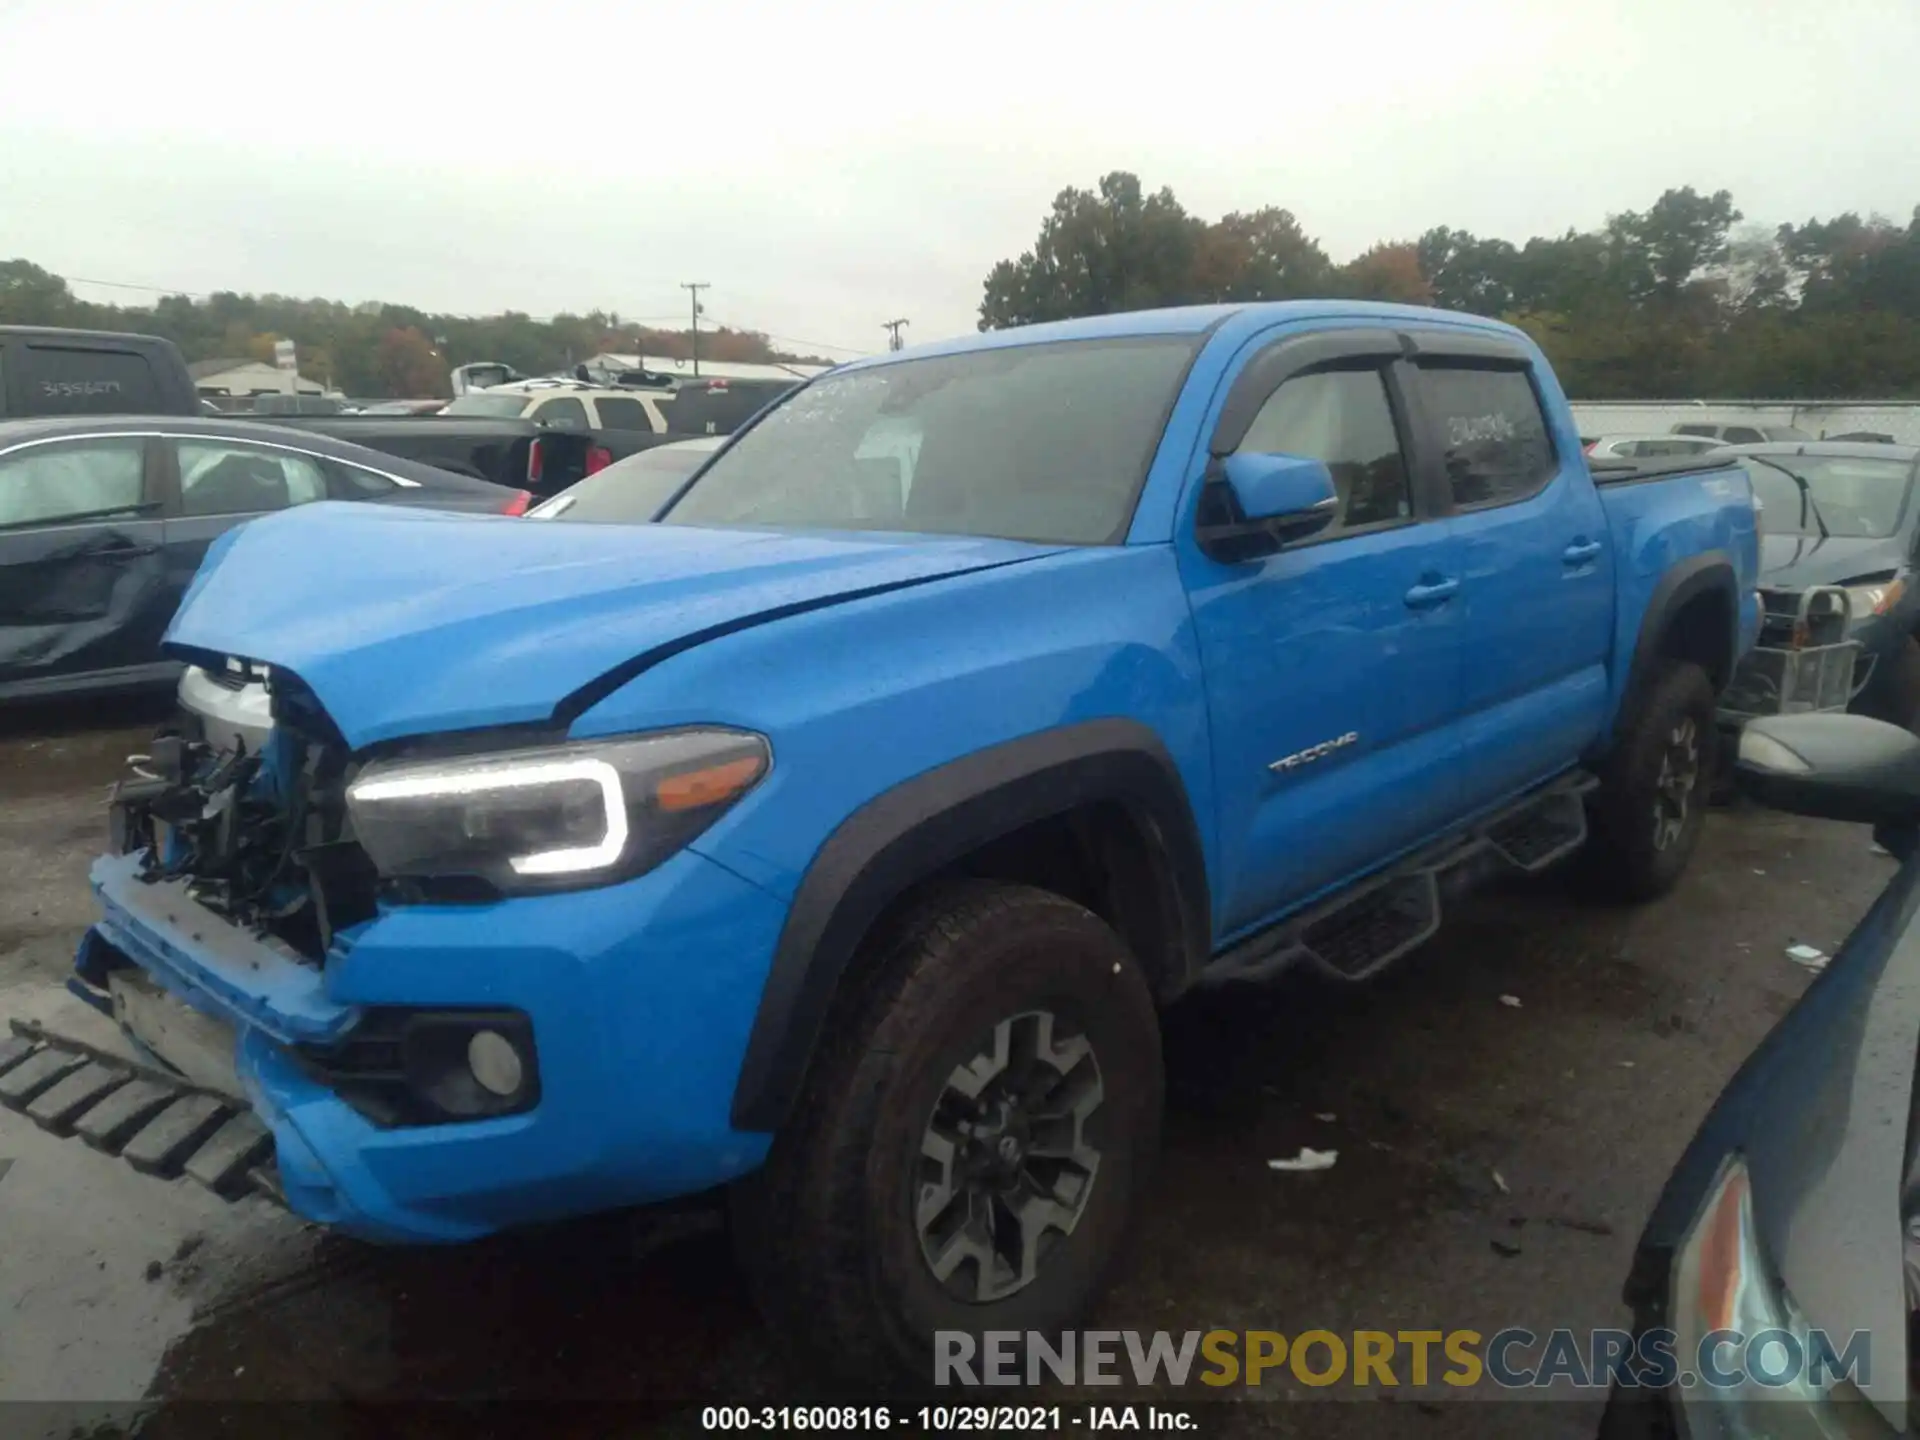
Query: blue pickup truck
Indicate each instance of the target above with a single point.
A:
(837, 839)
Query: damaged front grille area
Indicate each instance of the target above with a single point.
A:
(1803, 663)
(259, 833)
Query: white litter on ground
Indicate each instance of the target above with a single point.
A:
(1512, 1002)
(1326, 1117)
(1807, 956)
(1307, 1159)
(1500, 1182)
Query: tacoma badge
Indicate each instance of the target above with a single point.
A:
(1313, 753)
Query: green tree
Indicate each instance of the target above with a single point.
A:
(1099, 251)
(1264, 255)
(32, 296)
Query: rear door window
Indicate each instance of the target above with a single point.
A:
(563, 412)
(72, 480)
(69, 380)
(1743, 435)
(619, 413)
(1491, 431)
(222, 477)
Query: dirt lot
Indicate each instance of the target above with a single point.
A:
(116, 1289)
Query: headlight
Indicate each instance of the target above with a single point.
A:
(1730, 1313)
(555, 817)
(1866, 601)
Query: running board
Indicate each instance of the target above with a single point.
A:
(158, 1123)
(1358, 933)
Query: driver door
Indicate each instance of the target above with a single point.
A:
(1333, 667)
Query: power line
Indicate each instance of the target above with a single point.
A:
(470, 315)
(693, 289)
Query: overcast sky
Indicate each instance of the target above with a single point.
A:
(830, 164)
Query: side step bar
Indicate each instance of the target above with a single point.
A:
(1358, 933)
(158, 1123)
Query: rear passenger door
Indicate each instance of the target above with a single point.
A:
(1536, 564)
(83, 592)
(212, 484)
(1332, 666)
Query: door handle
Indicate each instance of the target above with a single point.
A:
(1581, 551)
(1430, 593)
(127, 551)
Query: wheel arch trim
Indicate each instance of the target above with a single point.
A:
(913, 831)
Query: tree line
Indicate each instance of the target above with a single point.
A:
(370, 350)
(1681, 300)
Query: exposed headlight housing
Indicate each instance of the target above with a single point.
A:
(551, 817)
(1723, 1286)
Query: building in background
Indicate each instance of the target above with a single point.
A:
(241, 377)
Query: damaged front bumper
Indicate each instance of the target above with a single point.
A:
(636, 1000)
(1803, 663)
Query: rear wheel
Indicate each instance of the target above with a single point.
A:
(971, 1143)
(1652, 801)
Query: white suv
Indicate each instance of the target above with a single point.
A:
(570, 405)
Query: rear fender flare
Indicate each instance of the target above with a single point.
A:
(1710, 572)
(920, 827)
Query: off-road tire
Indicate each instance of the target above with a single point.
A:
(826, 1229)
(1625, 858)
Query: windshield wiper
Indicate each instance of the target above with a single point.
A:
(1808, 506)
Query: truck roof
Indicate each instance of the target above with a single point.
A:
(1191, 320)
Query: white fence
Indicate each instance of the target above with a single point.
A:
(1819, 418)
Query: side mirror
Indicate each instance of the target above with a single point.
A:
(1836, 767)
(1255, 504)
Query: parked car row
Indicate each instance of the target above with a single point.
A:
(103, 520)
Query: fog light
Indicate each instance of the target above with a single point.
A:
(495, 1062)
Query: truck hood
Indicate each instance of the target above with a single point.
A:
(410, 622)
(1796, 560)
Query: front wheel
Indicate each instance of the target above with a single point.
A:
(1652, 801)
(971, 1142)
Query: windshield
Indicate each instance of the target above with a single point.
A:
(630, 491)
(1860, 499)
(504, 407)
(1032, 442)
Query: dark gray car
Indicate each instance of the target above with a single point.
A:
(1776, 1288)
(104, 520)
(1840, 536)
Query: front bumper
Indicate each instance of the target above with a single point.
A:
(640, 998)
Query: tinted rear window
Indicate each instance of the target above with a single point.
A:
(58, 380)
(618, 413)
(703, 409)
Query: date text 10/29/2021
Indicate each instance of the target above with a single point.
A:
(924, 1419)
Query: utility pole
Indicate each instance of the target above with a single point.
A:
(693, 293)
(893, 328)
